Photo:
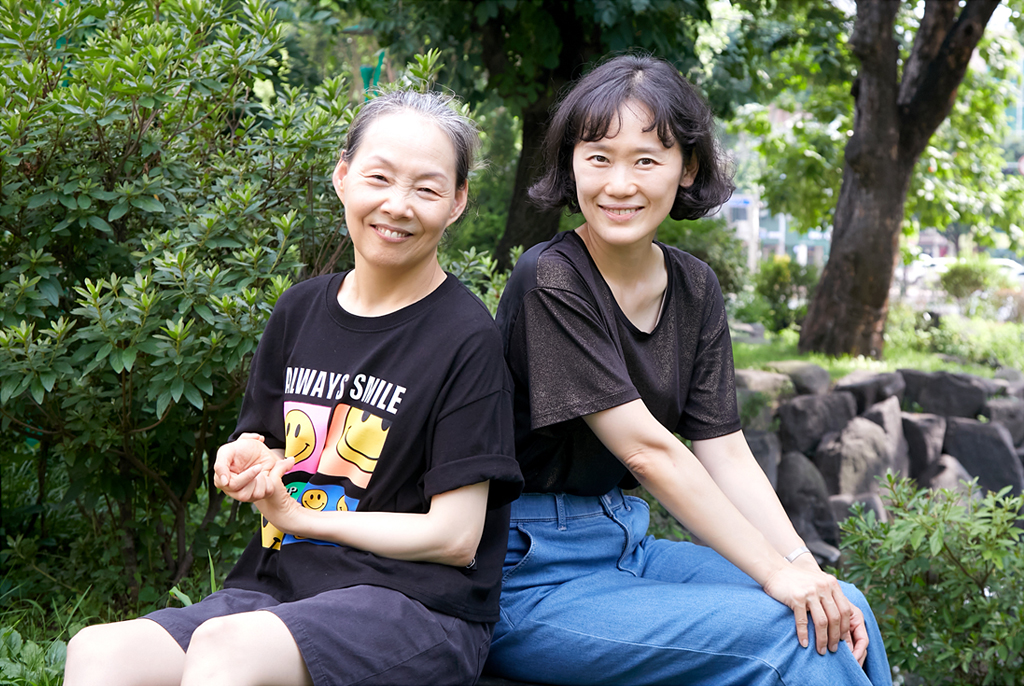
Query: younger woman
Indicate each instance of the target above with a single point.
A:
(375, 439)
(616, 342)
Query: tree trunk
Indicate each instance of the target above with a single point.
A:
(527, 224)
(893, 121)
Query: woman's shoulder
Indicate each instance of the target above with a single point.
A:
(692, 271)
(559, 263)
(306, 291)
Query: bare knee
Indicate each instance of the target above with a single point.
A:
(123, 653)
(91, 653)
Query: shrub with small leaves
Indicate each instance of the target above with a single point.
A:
(945, 577)
(151, 213)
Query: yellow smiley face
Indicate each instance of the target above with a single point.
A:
(314, 499)
(299, 435)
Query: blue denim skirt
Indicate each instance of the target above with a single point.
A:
(589, 598)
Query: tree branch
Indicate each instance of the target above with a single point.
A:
(938, 19)
(929, 103)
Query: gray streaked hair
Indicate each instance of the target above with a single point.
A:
(436, 107)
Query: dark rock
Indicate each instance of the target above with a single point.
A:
(758, 394)
(850, 460)
(806, 418)
(824, 553)
(887, 414)
(741, 332)
(946, 394)
(986, 451)
(1015, 389)
(1009, 374)
(946, 472)
(925, 434)
(869, 388)
(767, 450)
(757, 410)
(842, 504)
(1009, 412)
(771, 384)
(807, 378)
(803, 494)
(914, 381)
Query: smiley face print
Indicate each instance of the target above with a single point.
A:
(354, 443)
(300, 435)
(314, 499)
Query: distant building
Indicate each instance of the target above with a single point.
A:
(777, 238)
(742, 214)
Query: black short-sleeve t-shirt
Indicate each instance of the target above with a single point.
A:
(573, 352)
(381, 414)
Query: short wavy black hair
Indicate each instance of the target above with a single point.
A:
(680, 115)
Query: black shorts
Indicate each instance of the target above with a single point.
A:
(358, 635)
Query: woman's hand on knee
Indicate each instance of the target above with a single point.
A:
(858, 637)
(816, 594)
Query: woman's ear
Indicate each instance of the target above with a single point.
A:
(338, 177)
(459, 204)
(690, 170)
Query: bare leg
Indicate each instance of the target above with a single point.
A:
(245, 649)
(130, 653)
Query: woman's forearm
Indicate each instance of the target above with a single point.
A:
(733, 468)
(678, 480)
(449, 533)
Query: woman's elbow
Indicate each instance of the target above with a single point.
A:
(646, 463)
(459, 550)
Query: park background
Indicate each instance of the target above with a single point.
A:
(163, 178)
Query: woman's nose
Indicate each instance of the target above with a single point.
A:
(620, 181)
(396, 203)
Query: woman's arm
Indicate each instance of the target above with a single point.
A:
(448, 533)
(679, 481)
(732, 466)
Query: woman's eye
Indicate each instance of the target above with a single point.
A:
(378, 177)
(600, 159)
(428, 191)
(645, 162)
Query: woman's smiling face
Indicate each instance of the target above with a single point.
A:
(626, 182)
(399, 191)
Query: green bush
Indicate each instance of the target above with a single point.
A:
(972, 283)
(781, 291)
(975, 341)
(945, 578)
(712, 241)
(151, 212)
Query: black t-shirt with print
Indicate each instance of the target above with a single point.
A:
(381, 414)
(573, 352)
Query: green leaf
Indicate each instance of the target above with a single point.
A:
(128, 356)
(37, 391)
(84, 202)
(147, 203)
(204, 312)
(203, 384)
(177, 387)
(40, 199)
(147, 102)
(50, 290)
(98, 223)
(193, 396)
(117, 211)
(48, 379)
(162, 401)
(114, 358)
(178, 595)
